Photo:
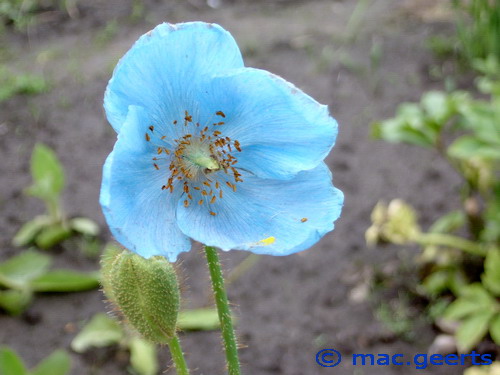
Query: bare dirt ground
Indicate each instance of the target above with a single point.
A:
(288, 308)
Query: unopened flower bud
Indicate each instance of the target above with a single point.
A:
(395, 223)
(145, 291)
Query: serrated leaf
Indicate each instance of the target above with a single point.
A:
(15, 301)
(84, 226)
(52, 235)
(476, 293)
(472, 330)
(460, 308)
(26, 235)
(58, 363)
(65, 281)
(491, 276)
(47, 173)
(474, 299)
(17, 271)
(143, 356)
(101, 331)
(10, 363)
(198, 320)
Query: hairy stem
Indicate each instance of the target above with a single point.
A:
(228, 337)
(178, 356)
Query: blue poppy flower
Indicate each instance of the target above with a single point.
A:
(211, 150)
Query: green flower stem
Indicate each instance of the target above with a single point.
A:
(233, 363)
(455, 242)
(178, 356)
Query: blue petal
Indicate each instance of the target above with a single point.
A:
(281, 129)
(274, 217)
(165, 66)
(139, 213)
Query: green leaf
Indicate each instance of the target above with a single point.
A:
(437, 106)
(10, 363)
(65, 281)
(472, 330)
(26, 235)
(143, 356)
(491, 275)
(198, 320)
(58, 363)
(495, 328)
(15, 301)
(474, 299)
(437, 282)
(19, 270)
(461, 308)
(468, 146)
(396, 130)
(51, 236)
(101, 331)
(448, 223)
(47, 173)
(84, 226)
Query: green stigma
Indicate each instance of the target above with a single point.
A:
(200, 158)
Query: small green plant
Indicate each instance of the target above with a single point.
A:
(461, 250)
(58, 363)
(12, 84)
(29, 272)
(53, 227)
(102, 331)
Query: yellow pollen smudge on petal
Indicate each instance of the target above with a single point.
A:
(220, 113)
(148, 138)
(303, 220)
(200, 202)
(213, 199)
(267, 241)
(213, 213)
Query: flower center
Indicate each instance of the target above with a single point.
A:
(201, 161)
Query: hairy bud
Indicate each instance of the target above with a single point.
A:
(145, 291)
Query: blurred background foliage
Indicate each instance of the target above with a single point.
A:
(460, 252)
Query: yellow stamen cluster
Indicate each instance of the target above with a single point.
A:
(196, 158)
